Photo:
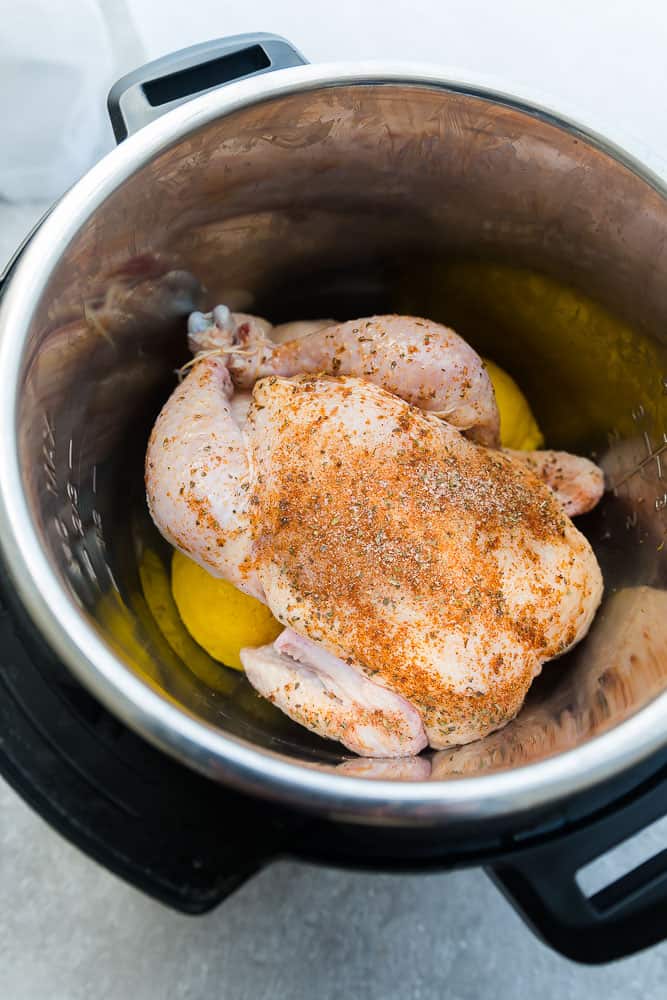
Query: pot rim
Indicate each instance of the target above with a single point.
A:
(198, 744)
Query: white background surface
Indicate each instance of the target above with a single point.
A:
(604, 60)
(68, 929)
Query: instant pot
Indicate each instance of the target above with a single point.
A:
(299, 191)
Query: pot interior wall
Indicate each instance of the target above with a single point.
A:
(545, 252)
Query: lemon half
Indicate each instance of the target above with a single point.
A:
(217, 615)
(518, 427)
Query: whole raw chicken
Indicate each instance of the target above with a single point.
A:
(422, 574)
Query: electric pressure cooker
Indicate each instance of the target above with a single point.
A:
(293, 190)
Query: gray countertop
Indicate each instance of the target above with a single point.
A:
(71, 931)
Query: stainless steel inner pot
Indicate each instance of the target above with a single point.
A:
(328, 191)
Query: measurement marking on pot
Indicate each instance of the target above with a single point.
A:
(87, 564)
(653, 459)
(61, 528)
(99, 531)
(49, 457)
(654, 455)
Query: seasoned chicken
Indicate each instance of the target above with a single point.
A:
(198, 479)
(332, 698)
(577, 482)
(440, 569)
(423, 362)
(423, 578)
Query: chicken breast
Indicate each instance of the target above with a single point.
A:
(443, 571)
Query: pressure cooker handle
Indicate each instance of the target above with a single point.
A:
(545, 884)
(143, 95)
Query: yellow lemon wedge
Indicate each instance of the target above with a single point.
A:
(518, 427)
(217, 615)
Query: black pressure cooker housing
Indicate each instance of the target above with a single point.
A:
(189, 841)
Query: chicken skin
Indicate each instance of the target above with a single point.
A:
(334, 699)
(577, 482)
(197, 476)
(423, 362)
(423, 578)
(437, 568)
